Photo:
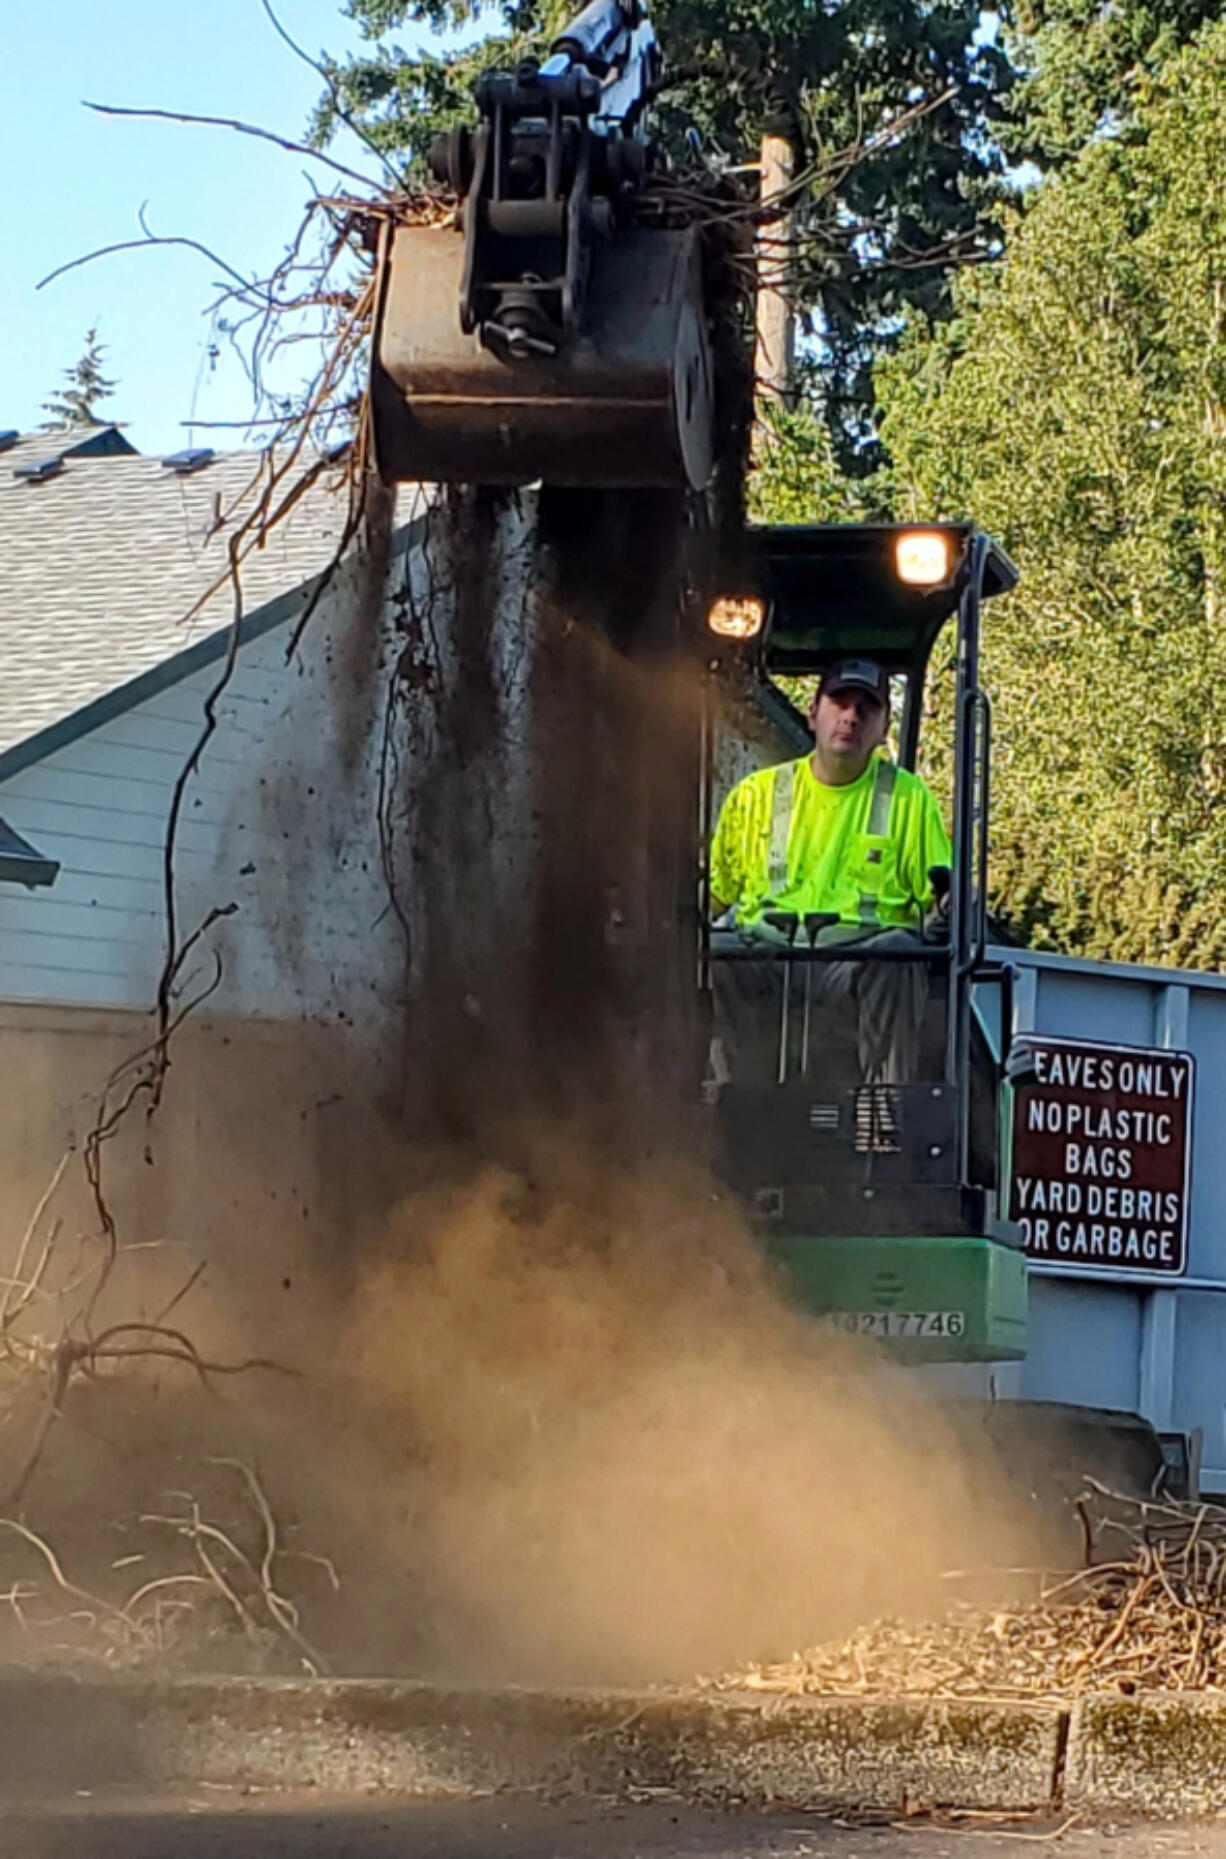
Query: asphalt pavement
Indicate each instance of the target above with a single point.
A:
(217, 1824)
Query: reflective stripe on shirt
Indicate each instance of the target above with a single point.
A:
(883, 799)
(781, 826)
(878, 826)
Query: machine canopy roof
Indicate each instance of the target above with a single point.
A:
(833, 589)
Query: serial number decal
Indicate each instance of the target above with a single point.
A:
(898, 1323)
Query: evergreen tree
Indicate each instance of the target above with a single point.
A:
(84, 386)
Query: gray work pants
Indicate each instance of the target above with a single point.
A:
(888, 999)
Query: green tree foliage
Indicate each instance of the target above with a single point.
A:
(84, 387)
(1076, 406)
(1085, 63)
(796, 477)
(891, 229)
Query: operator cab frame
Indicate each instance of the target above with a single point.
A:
(793, 1147)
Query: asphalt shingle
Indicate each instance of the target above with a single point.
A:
(100, 564)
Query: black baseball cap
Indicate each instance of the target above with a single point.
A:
(856, 674)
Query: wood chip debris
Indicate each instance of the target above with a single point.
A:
(1147, 1613)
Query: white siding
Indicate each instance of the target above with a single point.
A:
(304, 938)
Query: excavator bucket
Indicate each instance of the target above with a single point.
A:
(626, 401)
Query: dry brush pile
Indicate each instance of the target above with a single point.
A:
(138, 1568)
(1146, 1613)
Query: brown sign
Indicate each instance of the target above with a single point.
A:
(1101, 1154)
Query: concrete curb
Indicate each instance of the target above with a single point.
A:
(1163, 1755)
(59, 1733)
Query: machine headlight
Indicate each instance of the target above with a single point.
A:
(922, 557)
(736, 617)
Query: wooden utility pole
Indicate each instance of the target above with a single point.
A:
(775, 322)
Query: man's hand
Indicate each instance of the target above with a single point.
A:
(936, 923)
(936, 920)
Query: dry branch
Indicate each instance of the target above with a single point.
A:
(10, 1309)
(239, 127)
(341, 113)
(1151, 1618)
(133, 1626)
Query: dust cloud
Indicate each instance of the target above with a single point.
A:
(541, 1412)
(630, 1458)
(552, 1423)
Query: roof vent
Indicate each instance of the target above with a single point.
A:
(40, 470)
(194, 459)
(8, 440)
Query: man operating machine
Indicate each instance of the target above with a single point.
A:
(846, 842)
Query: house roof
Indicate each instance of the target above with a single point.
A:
(102, 558)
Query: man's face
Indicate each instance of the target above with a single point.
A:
(848, 725)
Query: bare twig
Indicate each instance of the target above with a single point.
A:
(196, 1275)
(281, 1612)
(178, 1347)
(240, 128)
(342, 114)
(57, 1574)
(9, 1312)
(137, 245)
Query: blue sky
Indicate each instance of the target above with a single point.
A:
(75, 181)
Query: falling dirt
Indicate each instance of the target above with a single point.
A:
(538, 1411)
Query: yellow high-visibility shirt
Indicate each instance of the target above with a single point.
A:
(862, 851)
